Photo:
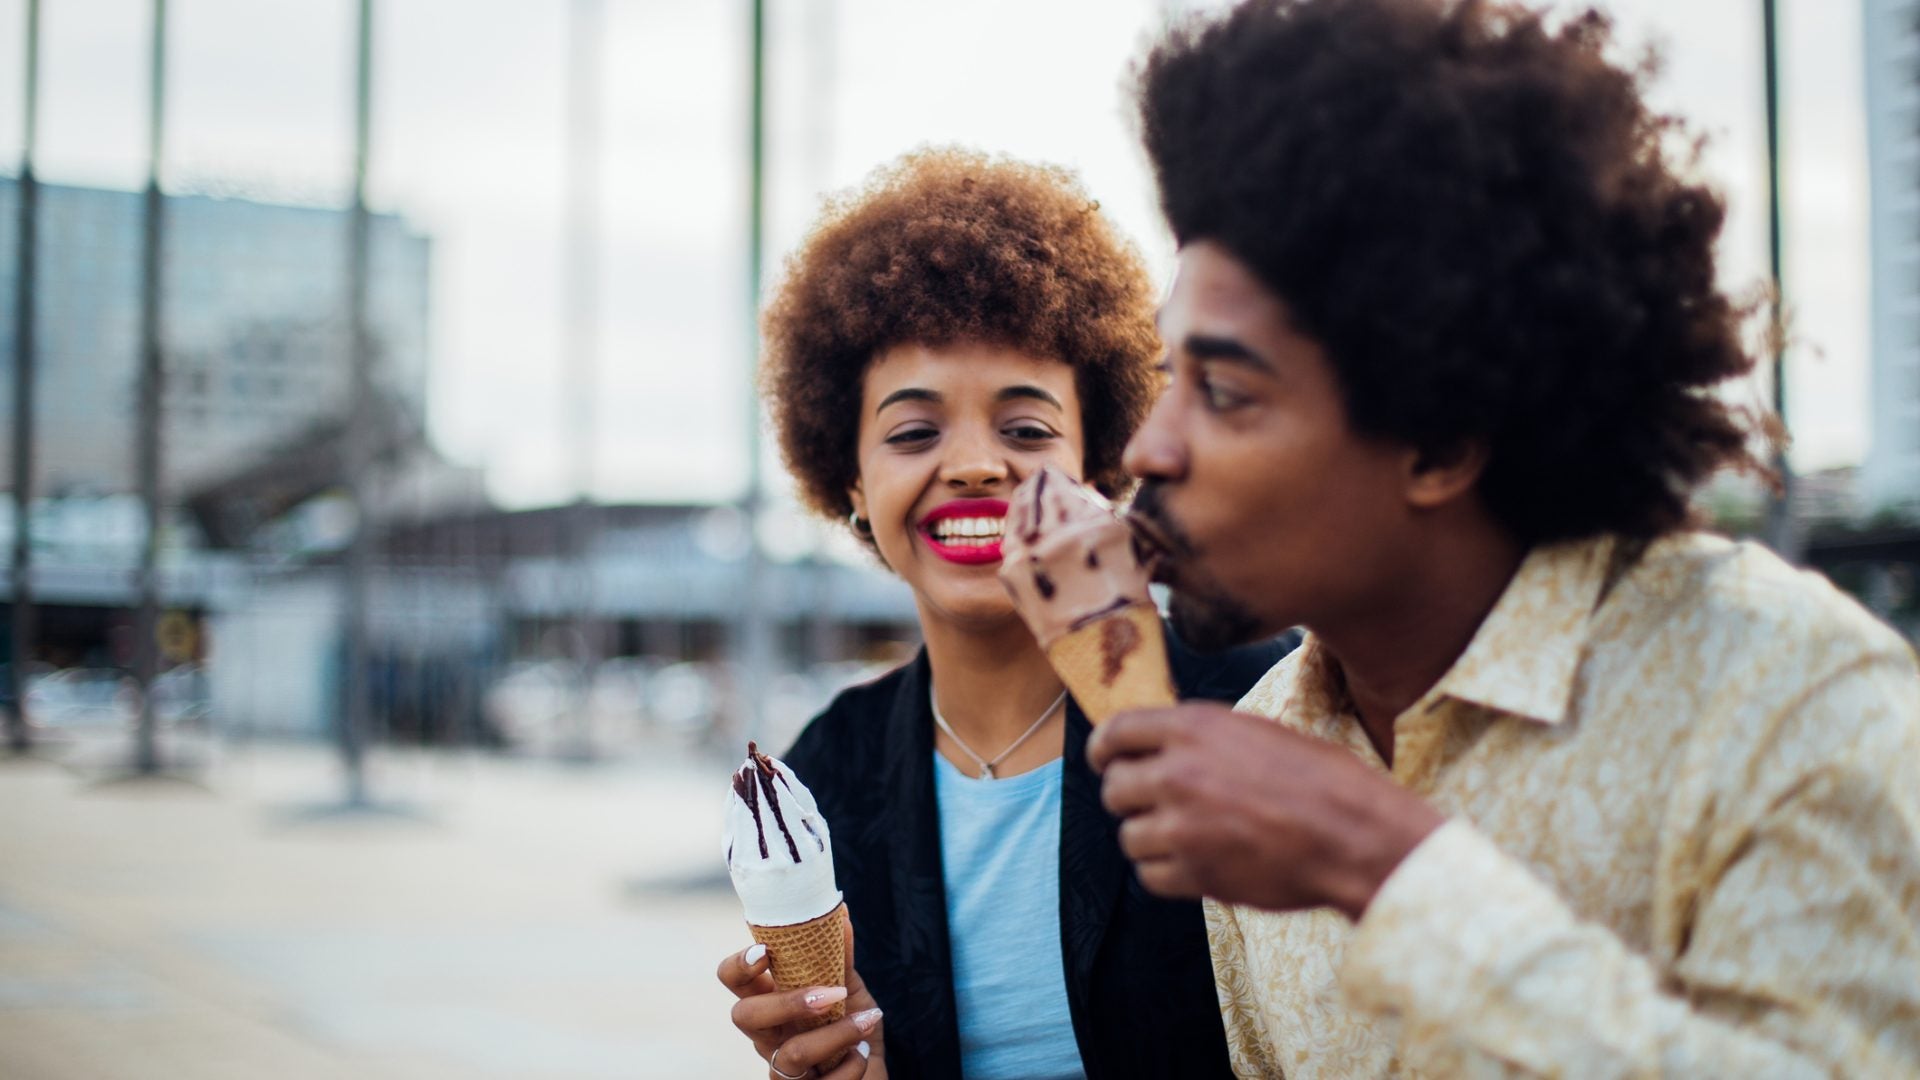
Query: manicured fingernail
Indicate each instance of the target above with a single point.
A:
(822, 996)
(864, 1050)
(754, 953)
(865, 1019)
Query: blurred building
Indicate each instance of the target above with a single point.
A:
(253, 330)
(1891, 477)
(480, 620)
(253, 406)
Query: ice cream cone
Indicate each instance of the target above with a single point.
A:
(812, 953)
(780, 857)
(1075, 573)
(1115, 662)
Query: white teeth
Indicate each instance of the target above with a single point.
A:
(980, 530)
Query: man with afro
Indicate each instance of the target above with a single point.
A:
(1559, 785)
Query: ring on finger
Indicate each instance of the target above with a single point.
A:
(774, 1064)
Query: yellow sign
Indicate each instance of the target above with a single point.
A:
(177, 636)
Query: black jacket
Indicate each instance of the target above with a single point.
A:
(1139, 976)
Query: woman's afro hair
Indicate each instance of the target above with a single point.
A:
(951, 247)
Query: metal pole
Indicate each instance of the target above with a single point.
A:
(152, 372)
(1782, 533)
(823, 625)
(754, 632)
(582, 337)
(358, 455)
(26, 254)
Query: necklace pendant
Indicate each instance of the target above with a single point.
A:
(986, 767)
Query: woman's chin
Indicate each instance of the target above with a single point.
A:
(983, 606)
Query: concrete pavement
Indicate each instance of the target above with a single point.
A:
(534, 920)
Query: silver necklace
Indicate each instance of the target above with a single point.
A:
(986, 767)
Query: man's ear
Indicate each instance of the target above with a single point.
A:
(1437, 476)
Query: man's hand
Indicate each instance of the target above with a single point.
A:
(1235, 807)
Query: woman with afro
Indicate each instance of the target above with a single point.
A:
(952, 326)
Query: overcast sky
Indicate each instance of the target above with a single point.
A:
(470, 145)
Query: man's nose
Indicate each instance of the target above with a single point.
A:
(1157, 451)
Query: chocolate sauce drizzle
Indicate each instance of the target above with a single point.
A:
(765, 772)
(1118, 604)
(1118, 639)
(787, 782)
(750, 795)
(1034, 522)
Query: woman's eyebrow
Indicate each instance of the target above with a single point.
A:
(911, 393)
(1027, 390)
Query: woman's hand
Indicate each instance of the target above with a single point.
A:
(770, 1018)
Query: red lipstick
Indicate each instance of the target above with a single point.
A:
(972, 543)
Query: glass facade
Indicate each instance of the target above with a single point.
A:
(253, 329)
(1891, 477)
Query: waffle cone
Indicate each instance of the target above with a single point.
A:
(1115, 663)
(812, 953)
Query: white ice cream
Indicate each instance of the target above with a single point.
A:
(778, 850)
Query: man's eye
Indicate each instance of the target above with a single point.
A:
(1220, 398)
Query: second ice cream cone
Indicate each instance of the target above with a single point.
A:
(812, 953)
(1115, 663)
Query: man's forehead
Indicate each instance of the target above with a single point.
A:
(1211, 286)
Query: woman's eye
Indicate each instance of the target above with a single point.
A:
(910, 436)
(1029, 433)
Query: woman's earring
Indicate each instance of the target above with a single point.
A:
(861, 527)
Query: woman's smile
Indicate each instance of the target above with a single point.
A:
(965, 531)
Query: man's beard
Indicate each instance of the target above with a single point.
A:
(1211, 623)
(1204, 616)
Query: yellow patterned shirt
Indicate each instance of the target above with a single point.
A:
(1684, 840)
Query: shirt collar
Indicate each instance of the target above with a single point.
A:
(1525, 655)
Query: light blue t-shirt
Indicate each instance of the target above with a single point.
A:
(1000, 851)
